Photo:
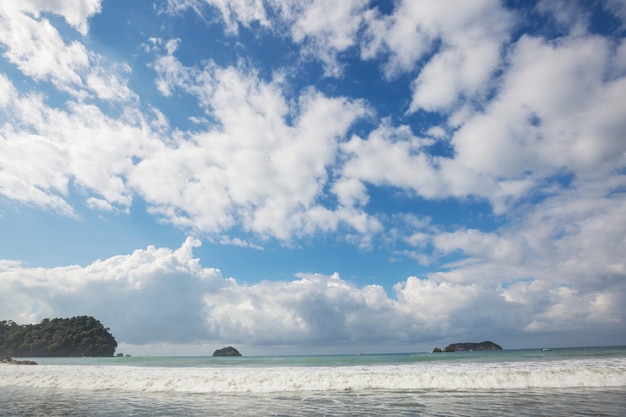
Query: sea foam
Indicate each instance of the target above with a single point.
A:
(522, 375)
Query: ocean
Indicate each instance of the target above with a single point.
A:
(559, 382)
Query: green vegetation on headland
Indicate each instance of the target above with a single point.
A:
(76, 336)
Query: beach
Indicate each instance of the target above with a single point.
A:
(571, 381)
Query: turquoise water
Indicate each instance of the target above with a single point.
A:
(572, 381)
(512, 355)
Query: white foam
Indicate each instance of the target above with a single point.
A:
(522, 375)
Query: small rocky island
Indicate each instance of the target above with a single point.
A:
(464, 347)
(227, 351)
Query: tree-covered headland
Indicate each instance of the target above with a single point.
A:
(76, 336)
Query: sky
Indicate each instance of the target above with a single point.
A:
(313, 176)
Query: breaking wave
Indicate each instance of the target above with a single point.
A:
(501, 375)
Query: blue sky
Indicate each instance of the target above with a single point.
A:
(308, 176)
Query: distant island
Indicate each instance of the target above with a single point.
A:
(227, 351)
(461, 347)
(71, 337)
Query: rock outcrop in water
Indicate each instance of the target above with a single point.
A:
(11, 361)
(460, 347)
(227, 351)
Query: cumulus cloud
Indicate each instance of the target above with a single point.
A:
(151, 295)
(162, 295)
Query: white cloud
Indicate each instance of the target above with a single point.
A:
(489, 247)
(233, 12)
(350, 192)
(572, 238)
(558, 262)
(555, 112)
(582, 232)
(39, 49)
(326, 28)
(465, 40)
(150, 295)
(550, 113)
(99, 204)
(160, 295)
(44, 148)
(106, 83)
(458, 71)
(262, 168)
(75, 12)
(30, 163)
(566, 309)
(265, 163)
(391, 156)
(323, 28)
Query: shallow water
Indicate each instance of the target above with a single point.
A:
(28, 402)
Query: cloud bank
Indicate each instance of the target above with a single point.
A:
(164, 296)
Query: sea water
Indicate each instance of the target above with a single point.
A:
(572, 381)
